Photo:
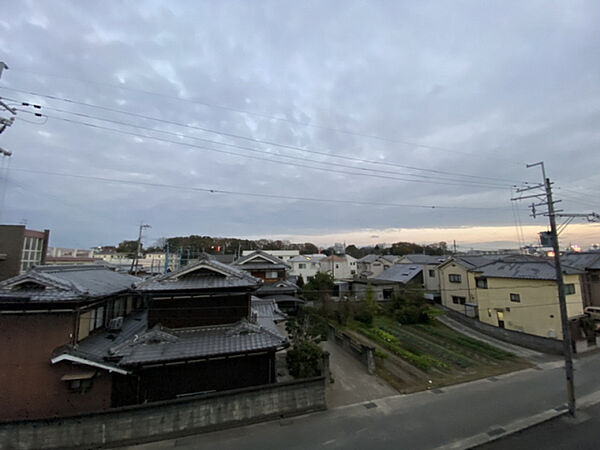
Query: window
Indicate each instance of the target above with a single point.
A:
(454, 278)
(301, 266)
(99, 317)
(481, 283)
(458, 300)
(92, 319)
(569, 289)
(515, 298)
(271, 275)
(431, 273)
(387, 294)
(118, 308)
(337, 266)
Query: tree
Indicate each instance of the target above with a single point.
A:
(319, 287)
(300, 281)
(305, 357)
(129, 247)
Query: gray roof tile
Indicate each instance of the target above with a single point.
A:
(205, 274)
(531, 270)
(67, 283)
(163, 344)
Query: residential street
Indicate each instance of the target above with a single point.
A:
(446, 418)
(565, 433)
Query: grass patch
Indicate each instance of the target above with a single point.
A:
(465, 341)
(391, 343)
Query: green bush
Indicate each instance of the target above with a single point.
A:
(365, 317)
(411, 313)
(305, 360)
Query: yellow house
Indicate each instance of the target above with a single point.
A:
(457, 282)
(523, 296)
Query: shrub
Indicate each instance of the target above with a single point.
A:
(410, 314)
(365, 317)
(305, 360)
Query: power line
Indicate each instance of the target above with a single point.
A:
(247, 194)
(237, 136)
(257, 157)
(253, 149)
(276, 118)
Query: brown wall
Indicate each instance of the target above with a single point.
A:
(591, 288)
(166, 382)
(262, 274)
(31, 385)
(11, 244)
(193, 312)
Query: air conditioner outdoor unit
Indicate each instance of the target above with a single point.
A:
(115, 323)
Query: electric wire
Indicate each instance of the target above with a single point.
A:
(92, 125)
(237, 136)
(247, 194)
(180, 135)
(281, 119)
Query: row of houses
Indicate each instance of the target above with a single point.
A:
(519, 292)
(81, 338)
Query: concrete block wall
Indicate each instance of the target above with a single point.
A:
(541, 344)
(364, 353)
(163, 420)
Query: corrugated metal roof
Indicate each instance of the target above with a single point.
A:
(163, 344)
(400, 273)
(582, 261)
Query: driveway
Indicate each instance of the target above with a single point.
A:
(352, 383)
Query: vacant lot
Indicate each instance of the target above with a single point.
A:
(424, 356)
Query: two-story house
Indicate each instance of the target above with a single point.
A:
(522, 295)
(274, 273)
(53, 307)
(372, 265)
(306, 266)
(588, 262)
(457, 282)
(198, 335)
(340, 267)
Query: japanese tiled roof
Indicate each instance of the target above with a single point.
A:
(63, 283)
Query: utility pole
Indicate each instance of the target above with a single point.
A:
(564, 317)
(545, 199)
(134, 263)
(167, 259)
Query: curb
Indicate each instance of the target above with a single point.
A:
(503, 431)
(500, 432)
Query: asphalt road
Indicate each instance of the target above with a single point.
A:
(423, 420)
(582, 433)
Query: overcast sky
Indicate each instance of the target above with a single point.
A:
(456, 88)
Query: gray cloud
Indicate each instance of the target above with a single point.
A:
(495, 85)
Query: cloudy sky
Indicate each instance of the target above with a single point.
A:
(322, 121)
